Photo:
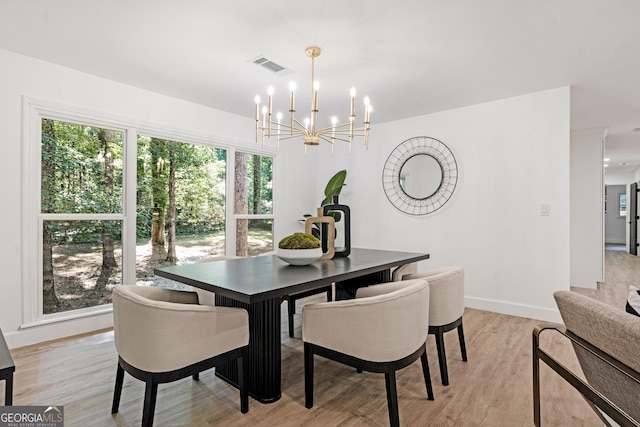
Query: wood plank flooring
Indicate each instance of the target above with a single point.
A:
(494, 388)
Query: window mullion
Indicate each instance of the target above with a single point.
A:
(129, 192)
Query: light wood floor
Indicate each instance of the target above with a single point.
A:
(492, 389)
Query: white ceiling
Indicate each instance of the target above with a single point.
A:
(411, 57)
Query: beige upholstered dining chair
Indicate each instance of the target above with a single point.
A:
(446, 307)
(383, 330)
(164, 335)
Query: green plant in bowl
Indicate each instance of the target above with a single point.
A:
(299, 249)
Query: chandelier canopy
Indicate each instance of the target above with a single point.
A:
(311, 134)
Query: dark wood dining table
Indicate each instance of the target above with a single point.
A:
(258, 285)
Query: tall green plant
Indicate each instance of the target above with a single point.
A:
(333, 188)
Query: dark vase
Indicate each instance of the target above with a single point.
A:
(346, 219)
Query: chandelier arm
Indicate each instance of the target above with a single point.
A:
(300, 126)
(287, 136)
(344, 129)
(356, 132)
(337, 138)
(326, 139)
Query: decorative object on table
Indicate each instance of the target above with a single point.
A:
(336, 208)
(420, 175)
(331, 190)
(299, 249)
(328, 232)
(308, 130)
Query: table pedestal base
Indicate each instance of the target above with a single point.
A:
(264, 350)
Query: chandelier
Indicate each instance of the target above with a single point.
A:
(309, 130)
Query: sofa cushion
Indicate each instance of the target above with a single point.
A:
(633, 301)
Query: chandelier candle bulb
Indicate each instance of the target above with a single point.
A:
(334, 121)
(270, 104)
(257, 100)
(367, 110)
(264, 122)
(264, 116)
(351, 128)
(279, 117)
(353, 102)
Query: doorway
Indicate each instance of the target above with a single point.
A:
(632, 217)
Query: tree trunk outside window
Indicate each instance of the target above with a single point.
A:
(241, 204)
(159, 192)
(171, 236)
(108, 256)
(49, 298)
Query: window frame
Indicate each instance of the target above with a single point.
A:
(34, 110)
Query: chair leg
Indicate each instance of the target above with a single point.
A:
(291, 306)
(196, 376)
(117, 390)
(330, 294)
(392, 398)
(150, 392)
(442, 357)
(243, 381)
(308, 376)
(463, 347)
(426, 373)
(8, 390)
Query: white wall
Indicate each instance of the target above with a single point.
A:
(22, 76)
(513, 156)
(587, 213)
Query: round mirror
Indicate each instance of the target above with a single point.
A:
(420, 176)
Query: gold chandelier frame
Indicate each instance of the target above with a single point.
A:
(267, 127)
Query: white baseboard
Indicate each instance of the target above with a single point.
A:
(513, 309)
(57, 330)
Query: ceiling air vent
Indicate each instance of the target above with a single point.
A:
(269, 65)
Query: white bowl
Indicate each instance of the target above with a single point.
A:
(299, 256)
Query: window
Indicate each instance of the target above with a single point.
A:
(622, 203)
(253, 204)
(109, 202)
(180, 204)
(80, 214)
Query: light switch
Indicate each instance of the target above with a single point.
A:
(545, 209)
